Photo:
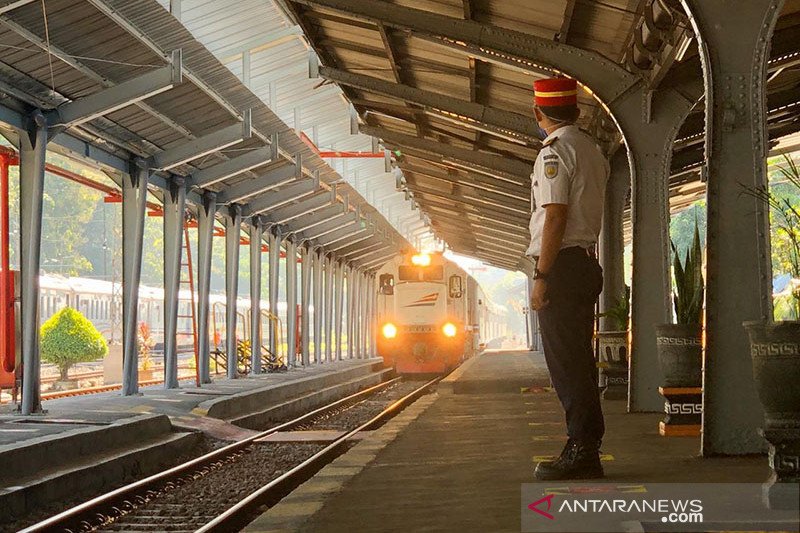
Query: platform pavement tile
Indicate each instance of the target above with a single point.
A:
(335, 469)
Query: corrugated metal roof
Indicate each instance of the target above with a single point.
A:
(256, 32)
(464, 203)
(101, 43)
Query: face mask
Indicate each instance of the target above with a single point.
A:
(542, 133)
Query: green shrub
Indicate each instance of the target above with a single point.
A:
(68, 337)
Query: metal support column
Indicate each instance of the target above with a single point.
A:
(134, 206)
(318, 306)
(356, 342)
(328, 308)
(350, 322)
(305, 304)
(205, 237)
(256, 235)
(612, 240)
(530, 317)
(32, 155)
(174, 206)
(233, 232)
(338, 308)
(274, 259)
(291, 303)
(650, 144)
(364, 314)
(734, 49)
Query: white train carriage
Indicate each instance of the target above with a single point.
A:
(429, 312)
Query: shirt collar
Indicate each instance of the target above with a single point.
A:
(557, 132)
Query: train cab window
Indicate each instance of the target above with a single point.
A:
(455, 286)
(416, 273)
(386, 284)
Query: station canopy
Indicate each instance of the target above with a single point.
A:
(458, 114)
(270, 88)
(128, 81)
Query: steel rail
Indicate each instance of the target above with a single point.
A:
(86, 516)
(236, 516)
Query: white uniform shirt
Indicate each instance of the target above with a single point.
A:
(571, 170)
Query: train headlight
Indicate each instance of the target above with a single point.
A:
(449, 330)
(389, 330)
(421, 260)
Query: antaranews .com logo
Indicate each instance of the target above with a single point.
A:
(672, 511)
(659, 507)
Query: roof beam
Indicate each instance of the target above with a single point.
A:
(363, 247)
(227, 169)
(304, 206)
(9, 5)
(488, 161)
(477, 245)
(273, 177)
(124, 94)
(487, 210)
(320, 216)
(479, 234)
(371, 251)
(563, 33)
(341, 243)
(516, 209)
(606, 78)
(377, 258)
(332, 224)
(348, 231)
(272, 199)
(482, 182)
(202, 146)
(504, 122)
(62, 56)
(483, 221)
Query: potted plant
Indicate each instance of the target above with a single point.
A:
(146, 344)
(680, 346)
(613, 349)
(775, 349)
(68, 338)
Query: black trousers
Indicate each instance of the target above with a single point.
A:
(566, 324)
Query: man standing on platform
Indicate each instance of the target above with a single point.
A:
(567, 192)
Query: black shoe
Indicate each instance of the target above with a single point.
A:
(578, 460)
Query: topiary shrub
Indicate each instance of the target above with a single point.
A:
(68, 337)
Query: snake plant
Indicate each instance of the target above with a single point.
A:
(689, 288)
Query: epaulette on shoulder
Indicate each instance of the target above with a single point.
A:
(550, 141)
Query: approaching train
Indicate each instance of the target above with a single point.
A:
(430, 314)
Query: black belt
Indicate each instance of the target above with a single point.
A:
(589, 252)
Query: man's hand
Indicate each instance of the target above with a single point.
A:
(539, 298)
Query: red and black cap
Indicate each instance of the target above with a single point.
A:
(555, 92)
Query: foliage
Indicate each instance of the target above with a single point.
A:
(784, 218)
(68, 337)
(682, 225)
(620, 311)
(689, 289)
(146, 344)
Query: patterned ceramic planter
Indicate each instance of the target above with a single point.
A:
(613, 357)
(680, 354)
(775, 349)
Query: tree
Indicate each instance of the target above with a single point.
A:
(68, 338)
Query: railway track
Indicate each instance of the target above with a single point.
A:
(224, 489)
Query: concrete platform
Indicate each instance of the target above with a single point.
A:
(456, 461)
(93, 442)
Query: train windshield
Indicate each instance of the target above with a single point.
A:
(415, 273)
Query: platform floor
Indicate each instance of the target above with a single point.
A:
(460, 459)
(85, 412)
